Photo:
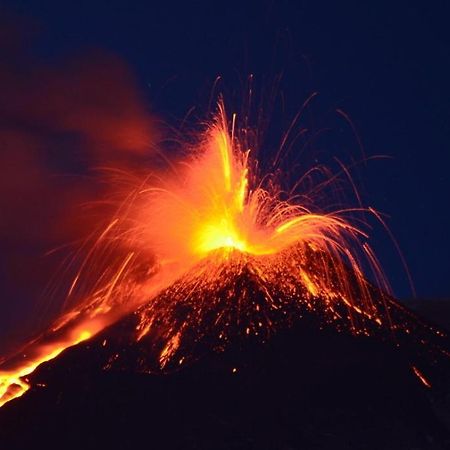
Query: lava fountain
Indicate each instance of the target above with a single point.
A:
(174, 252)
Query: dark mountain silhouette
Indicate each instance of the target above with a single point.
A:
(306, 383)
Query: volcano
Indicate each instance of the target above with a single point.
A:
(252, 369)
(216, 310)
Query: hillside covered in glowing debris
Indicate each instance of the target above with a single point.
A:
(228, 382)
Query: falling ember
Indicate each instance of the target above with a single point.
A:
(421, 377)
(175, 255)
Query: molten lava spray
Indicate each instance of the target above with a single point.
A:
(174, 253)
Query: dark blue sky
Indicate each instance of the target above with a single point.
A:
(386, 64)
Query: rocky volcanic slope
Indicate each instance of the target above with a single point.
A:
(303, 386)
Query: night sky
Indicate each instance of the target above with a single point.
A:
(386, 64)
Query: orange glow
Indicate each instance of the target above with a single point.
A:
(195, 224)
(13, 383)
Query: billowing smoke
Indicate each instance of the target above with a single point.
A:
(59, 122)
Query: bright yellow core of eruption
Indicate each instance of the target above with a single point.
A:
(222, 213)
(209, 205)
(223, 224)
(220, 235)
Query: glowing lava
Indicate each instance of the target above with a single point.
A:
(193, 228)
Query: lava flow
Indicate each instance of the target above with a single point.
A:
(174, 253)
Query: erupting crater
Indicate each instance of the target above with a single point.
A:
(207, 252)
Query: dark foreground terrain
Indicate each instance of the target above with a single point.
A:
(304, 389)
